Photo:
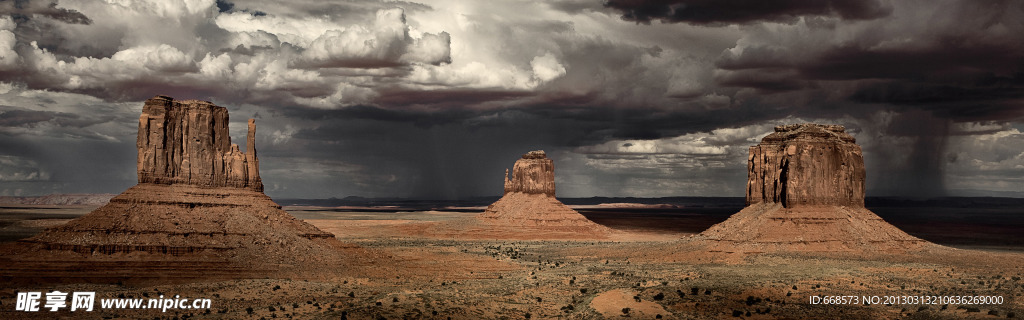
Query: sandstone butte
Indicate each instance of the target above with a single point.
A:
(198, 209)
(529, 206)
(805, 193)
(528, 210)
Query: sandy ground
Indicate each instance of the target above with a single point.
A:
(636, 275)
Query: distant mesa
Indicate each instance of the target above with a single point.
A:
(197, 211)
(805, 193)
(528, 210)
(530, 207)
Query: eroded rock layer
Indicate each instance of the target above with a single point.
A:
(806, 164)
(533, 174)
(187, 142)
(805, 193)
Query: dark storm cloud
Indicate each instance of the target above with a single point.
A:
(573, 125)
(362, 98)
(766, 79)
(306, 8)
(445, 98)
(957, 80)
(921, 174)
(713, 12)
(18, 117)
(963, 65)
(224, 6)
(419, 118)
(11, 118)
(971, 73)
(948, 58)
(985, 100)
(575, 6)
(23, 9)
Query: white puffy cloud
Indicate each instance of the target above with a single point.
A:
(277, 52)
(156, 58)
(130, 64)
(546, 67)
(136, 47)
(379, 44)
(430, 49)
(383, 41)
(216, 67)
(297, 31)
(470, 75)
(8, 57)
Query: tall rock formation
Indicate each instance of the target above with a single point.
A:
(528, 209)
(198, 212)
(533, 174)
(805, 193)
(806, 164)
(187, 142)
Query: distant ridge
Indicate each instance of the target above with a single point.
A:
(60, 199)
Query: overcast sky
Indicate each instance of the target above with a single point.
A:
(435, 98)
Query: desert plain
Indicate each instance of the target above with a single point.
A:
(644, 270)
(804, 243)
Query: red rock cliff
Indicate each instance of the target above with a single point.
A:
(806, 164)
(187, 142)
(533, 174)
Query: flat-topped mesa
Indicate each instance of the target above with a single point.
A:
(187, 142)
(805, 193)
(528, 210)
(806, 164)
(533, 174)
